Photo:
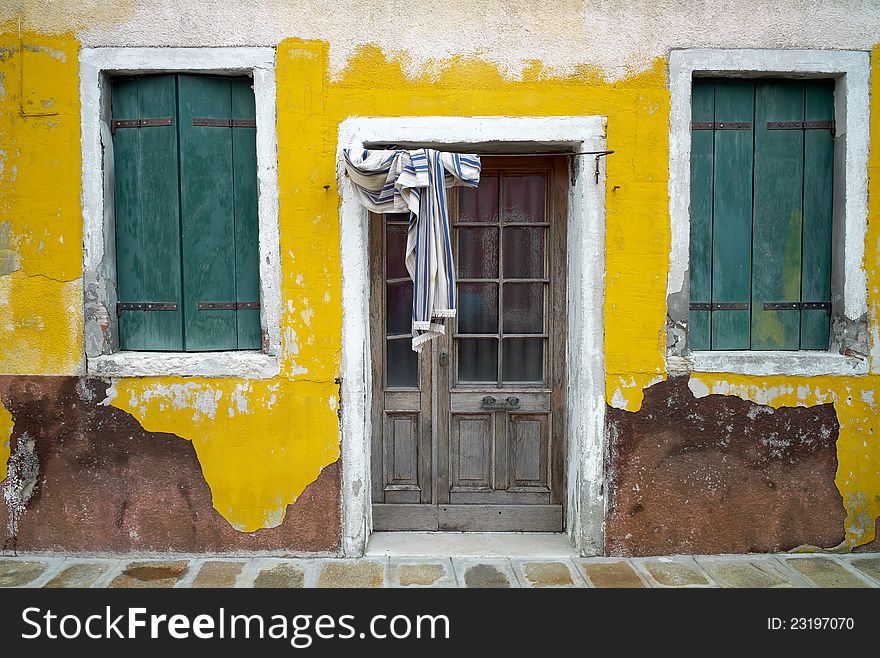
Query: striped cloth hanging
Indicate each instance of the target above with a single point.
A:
(397, 181)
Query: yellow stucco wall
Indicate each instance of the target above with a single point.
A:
(261, 442)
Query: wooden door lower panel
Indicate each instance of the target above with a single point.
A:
(502, 518)
(469, 518)
(390, 517)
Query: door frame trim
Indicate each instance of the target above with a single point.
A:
(585, 500)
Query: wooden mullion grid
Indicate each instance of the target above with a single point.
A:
(511, 280)
(542, 335)
(499, 339)
(488, 224)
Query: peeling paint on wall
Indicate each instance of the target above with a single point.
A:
(6, 426)
(858, 443)
(40, 218)
(714, 473)
(259, 444)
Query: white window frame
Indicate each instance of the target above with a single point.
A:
(103, 357)
(585, 371)
(851, 72)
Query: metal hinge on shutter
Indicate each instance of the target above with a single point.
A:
(801, 125)
(224, 123)
(227, 306)
(140, 123)
(798, 306)
(721, 125)
(719, 306)
(144, 306)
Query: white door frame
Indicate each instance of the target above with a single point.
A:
(585, 367)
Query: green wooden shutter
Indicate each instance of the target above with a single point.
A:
(244, 160)
(702, 164)
(207, 214)
(147, 213)
(732, 214)
(761, 214)
(778, 215)
(818, 183)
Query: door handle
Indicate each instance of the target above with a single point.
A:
(444, 358)
(508, 404)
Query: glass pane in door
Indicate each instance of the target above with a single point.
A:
(503, 285)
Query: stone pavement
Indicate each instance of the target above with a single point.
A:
(779, 570)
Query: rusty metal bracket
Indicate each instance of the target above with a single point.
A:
(144, 306)
(802, 125)
(224, 123)
(140, 123)
(721, 125)
(599, 154)
(719, 306)
(227, 306)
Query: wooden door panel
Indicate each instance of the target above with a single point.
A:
(394, 517)
(471, 451)
(529, 445)
(401, 447)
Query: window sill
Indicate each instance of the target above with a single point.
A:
(807, 364)
(249, 365)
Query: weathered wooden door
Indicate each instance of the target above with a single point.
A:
(469, 434)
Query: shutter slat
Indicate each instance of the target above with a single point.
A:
(732, 215)
(778, 216)
(147, 213)
(207, 213)
(244, 162)
(703, 109)
(818, 182)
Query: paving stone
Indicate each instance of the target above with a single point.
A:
(15, 573)
(739, 573)
(420, 574)
(612, 574)
(485, 575)
(674, 574)
(869, 566)
(84, 574)
(151, 574)
(217, 574)
(351, 574)
(826, 572)
(548, 574)
(281, 575)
